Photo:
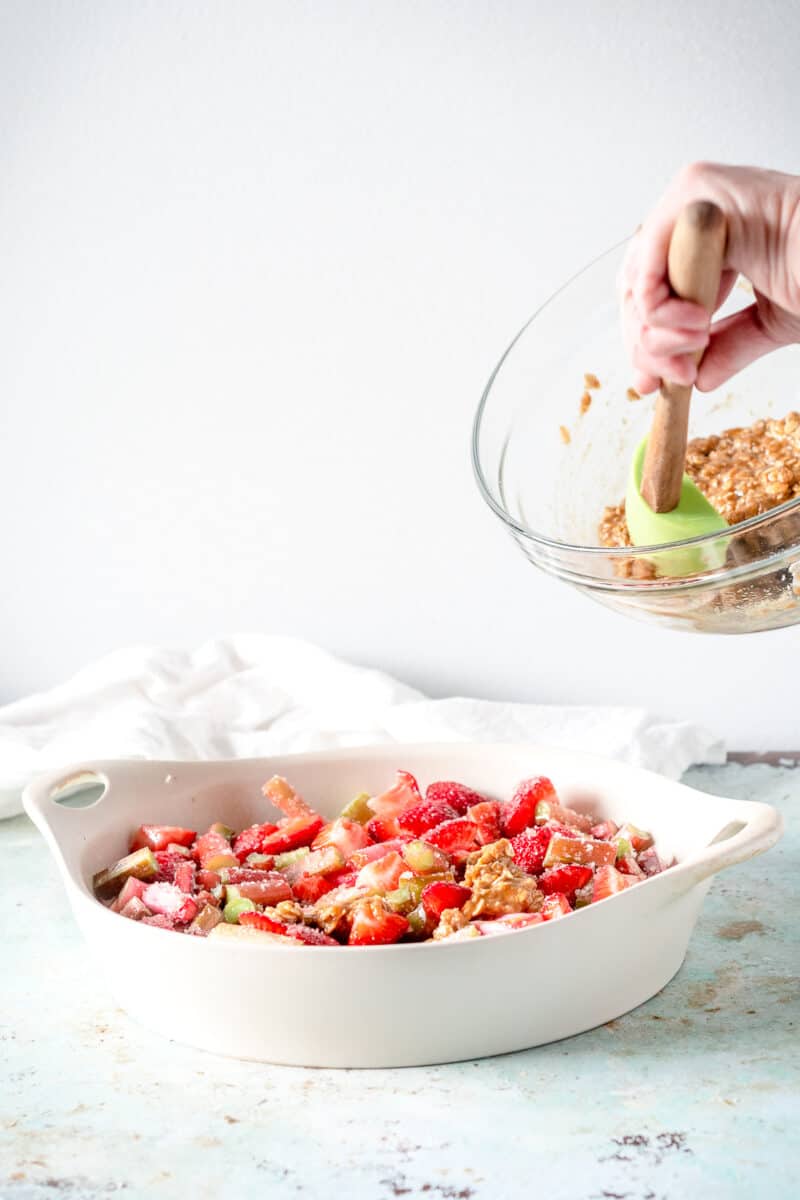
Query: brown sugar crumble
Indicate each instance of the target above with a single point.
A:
(632, 394)
(590, 380)
(565, 434)
(743, 472)
(586, 402)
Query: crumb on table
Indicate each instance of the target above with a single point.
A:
(565, 434)
(586, 402)
(590, 380)
(632, 394)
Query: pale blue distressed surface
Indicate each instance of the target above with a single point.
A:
(693, 1095)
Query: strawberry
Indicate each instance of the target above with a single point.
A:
(209, 879)
(579, 850)
(158, 837)
(346, 877)
(321, 862)
(607, 882)
(291, 834)
(565, 879)
(555, 905)
(347, 836)
(281, 793)
(383, 875)
(255, 920)
(520, 811)
(214, 851)
(486, 816)
(249, 841)
(309, 935)
(383, 829)
(373, 924)
(425, 815)
(308, 888)
(649, 862)
(458, 796)
(185, 877)
(402, 795)
(638, 838)
(168, 863)
(373, 852)
(530, 847)
(131, 889)
(629, 866)
(166, 899)
(459, 836)
(550, 810)
(436, 897)
(605, 830)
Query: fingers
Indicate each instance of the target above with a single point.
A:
(735, 342)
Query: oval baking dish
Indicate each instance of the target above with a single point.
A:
(349, 1007)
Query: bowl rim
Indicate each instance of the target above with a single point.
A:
(614, 553)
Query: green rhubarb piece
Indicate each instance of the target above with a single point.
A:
(583, 896)
(174, 848)
(218, 861)
(323, 861)
(206, 920)
(624, 848)
(258, 860)
(282, 861)
(358, 809)
(235, 907)
(418, 921)
(141, 864)
(423, 858)
(223, 830)
(403, 898)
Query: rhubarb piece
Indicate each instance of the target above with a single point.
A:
(486, 816)
(629, 866)
(566, 879)
(158, 837)
(404, 794)
(578, 850)
(309, 936)
(383, 875)
(272, 889)
(132, 887)
(169, 901)
(383, 829)
(374, 924)
(555, 905)
(235, 907)
(375, 851)
(455, 794)
(436, 897)
(605, 831)
(583, 895)
(240, 933)
(135, 909)
(141, 864)
(649, 862)
(358, 809)
(206, 920)
(282, 861)
(222, 829)
(323, 861)
(424, 858)
(509, 923)
(520, 811)
(213, 851)
(530, 848)
(281, 793)
(260, 860)
(638, 838)
(419, 923)
(347, 836)
(425, 815)
(408, 893)
(209, 879)
(251, 840)
(181, 851)
(185, 877)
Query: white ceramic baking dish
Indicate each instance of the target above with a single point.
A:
(392, 1005)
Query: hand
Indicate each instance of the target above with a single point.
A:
(663, 333)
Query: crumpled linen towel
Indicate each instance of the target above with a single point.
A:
(249, 696)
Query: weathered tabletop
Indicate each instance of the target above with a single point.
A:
(695, 1094)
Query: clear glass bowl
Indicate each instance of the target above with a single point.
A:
(550, 493)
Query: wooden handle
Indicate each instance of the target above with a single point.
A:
(694, 266)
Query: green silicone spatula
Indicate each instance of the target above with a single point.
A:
(662, 504)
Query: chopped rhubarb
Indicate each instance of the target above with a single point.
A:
(141, 864)
(638, 838)
(213, 851)
(555, 905)
(509, 923)
(608, 881)
(235, 907)
(271, 889)
(358, 809)
(404, 794)
(206, 920)
(135, 909)
(578, 850)
(424, 858)
(310, 936)
(324, 861)
(185, 877)
(649, 862)
(383, 829)
(159, 837)
(284, 797)
(486, 816)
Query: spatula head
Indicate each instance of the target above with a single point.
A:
(694, 517)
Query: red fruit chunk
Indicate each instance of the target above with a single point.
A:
(158, 837)
(169, 901)
(159, 920)
(486, 816)
(608, 881)
(520, 811)
(135, 909)
(213, 851)
(284, 797)
(383, 829)
(458, 796)
(308, 888)
(185, 877)
(346, 877)
(209, 879)
(377, 850)
(555, 905)
(248, 874)
(254, 920)
(530, 847)
(579, 850)
(629, 866)
(250, 841)
(373, 924)
(650, 862)
(292, 834)
(132, 889)
(564, 879)
(605, 830)
(459, 836)
(426, 815)
(346, 835)
(436, 897)
(168, 863)
(309, 935)
(553, 810)
(383, 875)
(403, 795)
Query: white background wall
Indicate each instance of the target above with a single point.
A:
(258, 260)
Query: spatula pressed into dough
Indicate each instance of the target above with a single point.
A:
(662, 504)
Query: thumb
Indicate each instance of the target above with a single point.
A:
(735, 342)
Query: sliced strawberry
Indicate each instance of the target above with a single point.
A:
(169, 901)
(254, 920)
(383, 875)
(509, 923)
(605, 830)
(458, 796)
(383, 829)
(530, 847)
(168, 863)
(565, 879)
(520, 811)
(158, 837)
(291, 834)
(456, 837)
(436, 897)
(425, 815)
(325, 861)
(214, 851)
(555, 905)
(344, 878)
(250, 841)
(649, 862)
(281, 793)
(185, 877)
(373, 924)
(486, 816)
(629, 866)
(607, 882)
(132, 889)
(309, 935)
(209, 879)
(581, 850)
(402, 795)
(308, 888)
(347, 836)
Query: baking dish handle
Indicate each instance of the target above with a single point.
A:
(44, 799)
(759, 827)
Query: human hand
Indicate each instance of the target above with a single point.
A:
(662, 333)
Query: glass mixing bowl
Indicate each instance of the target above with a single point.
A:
(550, 492)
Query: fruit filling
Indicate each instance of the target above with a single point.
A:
(396, 867)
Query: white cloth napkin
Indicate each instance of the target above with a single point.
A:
(251, 696)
